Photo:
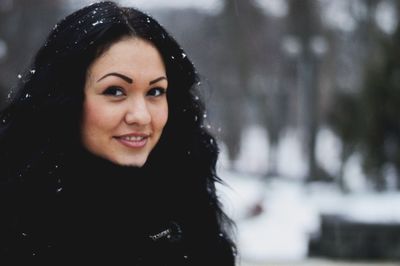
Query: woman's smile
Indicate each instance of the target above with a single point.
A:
(133, 140)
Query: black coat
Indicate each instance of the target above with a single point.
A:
(87, 211)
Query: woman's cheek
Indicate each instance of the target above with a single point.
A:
(163, 116)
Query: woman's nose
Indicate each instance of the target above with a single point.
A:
(137, 112)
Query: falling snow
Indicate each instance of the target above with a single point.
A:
(97, 22)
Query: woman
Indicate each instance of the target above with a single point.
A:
(103, 154)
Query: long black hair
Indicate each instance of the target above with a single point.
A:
(41, 124)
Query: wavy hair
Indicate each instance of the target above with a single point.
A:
(42, 120)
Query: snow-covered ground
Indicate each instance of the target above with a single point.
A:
(320, 262)
(276, 217)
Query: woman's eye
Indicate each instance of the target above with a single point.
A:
(114, 91)
(156, 92)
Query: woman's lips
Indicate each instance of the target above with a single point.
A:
(133, 141)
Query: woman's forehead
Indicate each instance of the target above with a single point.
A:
(130, 56)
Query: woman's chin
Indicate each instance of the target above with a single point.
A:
(129, 163)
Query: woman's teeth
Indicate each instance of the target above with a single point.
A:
(133, 138)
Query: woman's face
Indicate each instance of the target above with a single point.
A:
(125, 107)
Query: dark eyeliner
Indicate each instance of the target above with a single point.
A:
(159, 89)
(113, 90)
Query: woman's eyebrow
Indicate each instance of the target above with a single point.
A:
(157, 80)
(125, 78)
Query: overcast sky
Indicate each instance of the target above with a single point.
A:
(335, 13)
(207, 5)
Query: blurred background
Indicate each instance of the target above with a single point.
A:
(303, 97)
